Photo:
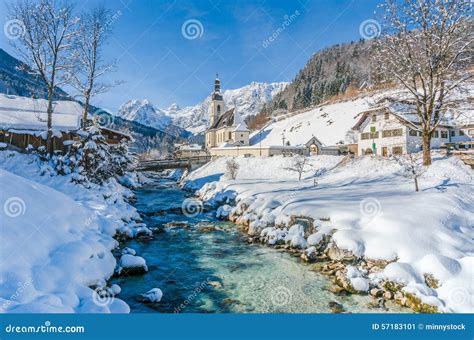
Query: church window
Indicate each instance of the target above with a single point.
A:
(218, 109)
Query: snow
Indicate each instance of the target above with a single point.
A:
(59, 244)
(331, 123)
(247, 100)
(54, 256)
(132, 261)
(223, 211)
(144, 112)
(373, 210)
(358, 282)
(22, 113)
(153, 295)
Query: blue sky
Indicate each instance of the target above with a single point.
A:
(155, 60)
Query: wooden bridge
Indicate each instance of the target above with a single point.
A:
(175, 163)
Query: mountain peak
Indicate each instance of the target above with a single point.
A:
(247, 100)
(143, 112)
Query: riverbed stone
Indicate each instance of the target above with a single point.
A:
(376, 292)
(206, 228)
(336, 307)
(341, 255)
(177, 224)
(388, 295)
(431, 281)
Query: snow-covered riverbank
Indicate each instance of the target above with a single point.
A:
(57, 237)
(368, 212)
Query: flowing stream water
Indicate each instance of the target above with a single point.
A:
(209, 266)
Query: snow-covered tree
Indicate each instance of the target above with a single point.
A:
(426, 45)
(232, 168)
(91, 159)
(412, 166)
(44, 43)
(300, 165)
(94, 29)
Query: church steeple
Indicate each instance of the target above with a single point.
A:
(217, 84)
(217, 102)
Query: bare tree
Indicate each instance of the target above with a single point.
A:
(94, 29)
(426, 45)
(300, 165)
(44, 45)
(232, 168)
(412, 167)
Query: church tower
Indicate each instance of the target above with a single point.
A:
(217, 102)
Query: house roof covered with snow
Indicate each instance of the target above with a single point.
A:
(405, 112)
(328, 123)
(23, 113)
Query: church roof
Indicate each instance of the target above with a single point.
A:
(226, 119)
(241, 127)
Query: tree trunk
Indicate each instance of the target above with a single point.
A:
(49, 111)
(416, 184)
(86, 111)
(426, 148)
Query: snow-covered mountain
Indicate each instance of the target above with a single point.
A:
(143, 112)
(247, 100)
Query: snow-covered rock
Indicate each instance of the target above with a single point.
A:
(223, 211)
(428, 233)
(153, 295)
(130, 251)
(53, 254)
(132, 264)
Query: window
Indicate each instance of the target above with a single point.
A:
(397, 150)
(453, 133)
(470, 132)
(387, 116)
(374, 118)
(242, 135)
(369, 135)
(444, 134)
(436, 134)
(413, 133)
(461, 133)
(392, 133)
(230, 135)
(218, 109)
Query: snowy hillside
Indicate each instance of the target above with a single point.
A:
(248, 101)
(329, 123)
(57, 238)
(332, 123)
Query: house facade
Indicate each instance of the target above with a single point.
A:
(23, 124)
(226, 128)
(383, 132)
(189, 150)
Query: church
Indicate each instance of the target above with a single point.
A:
(226, 128)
